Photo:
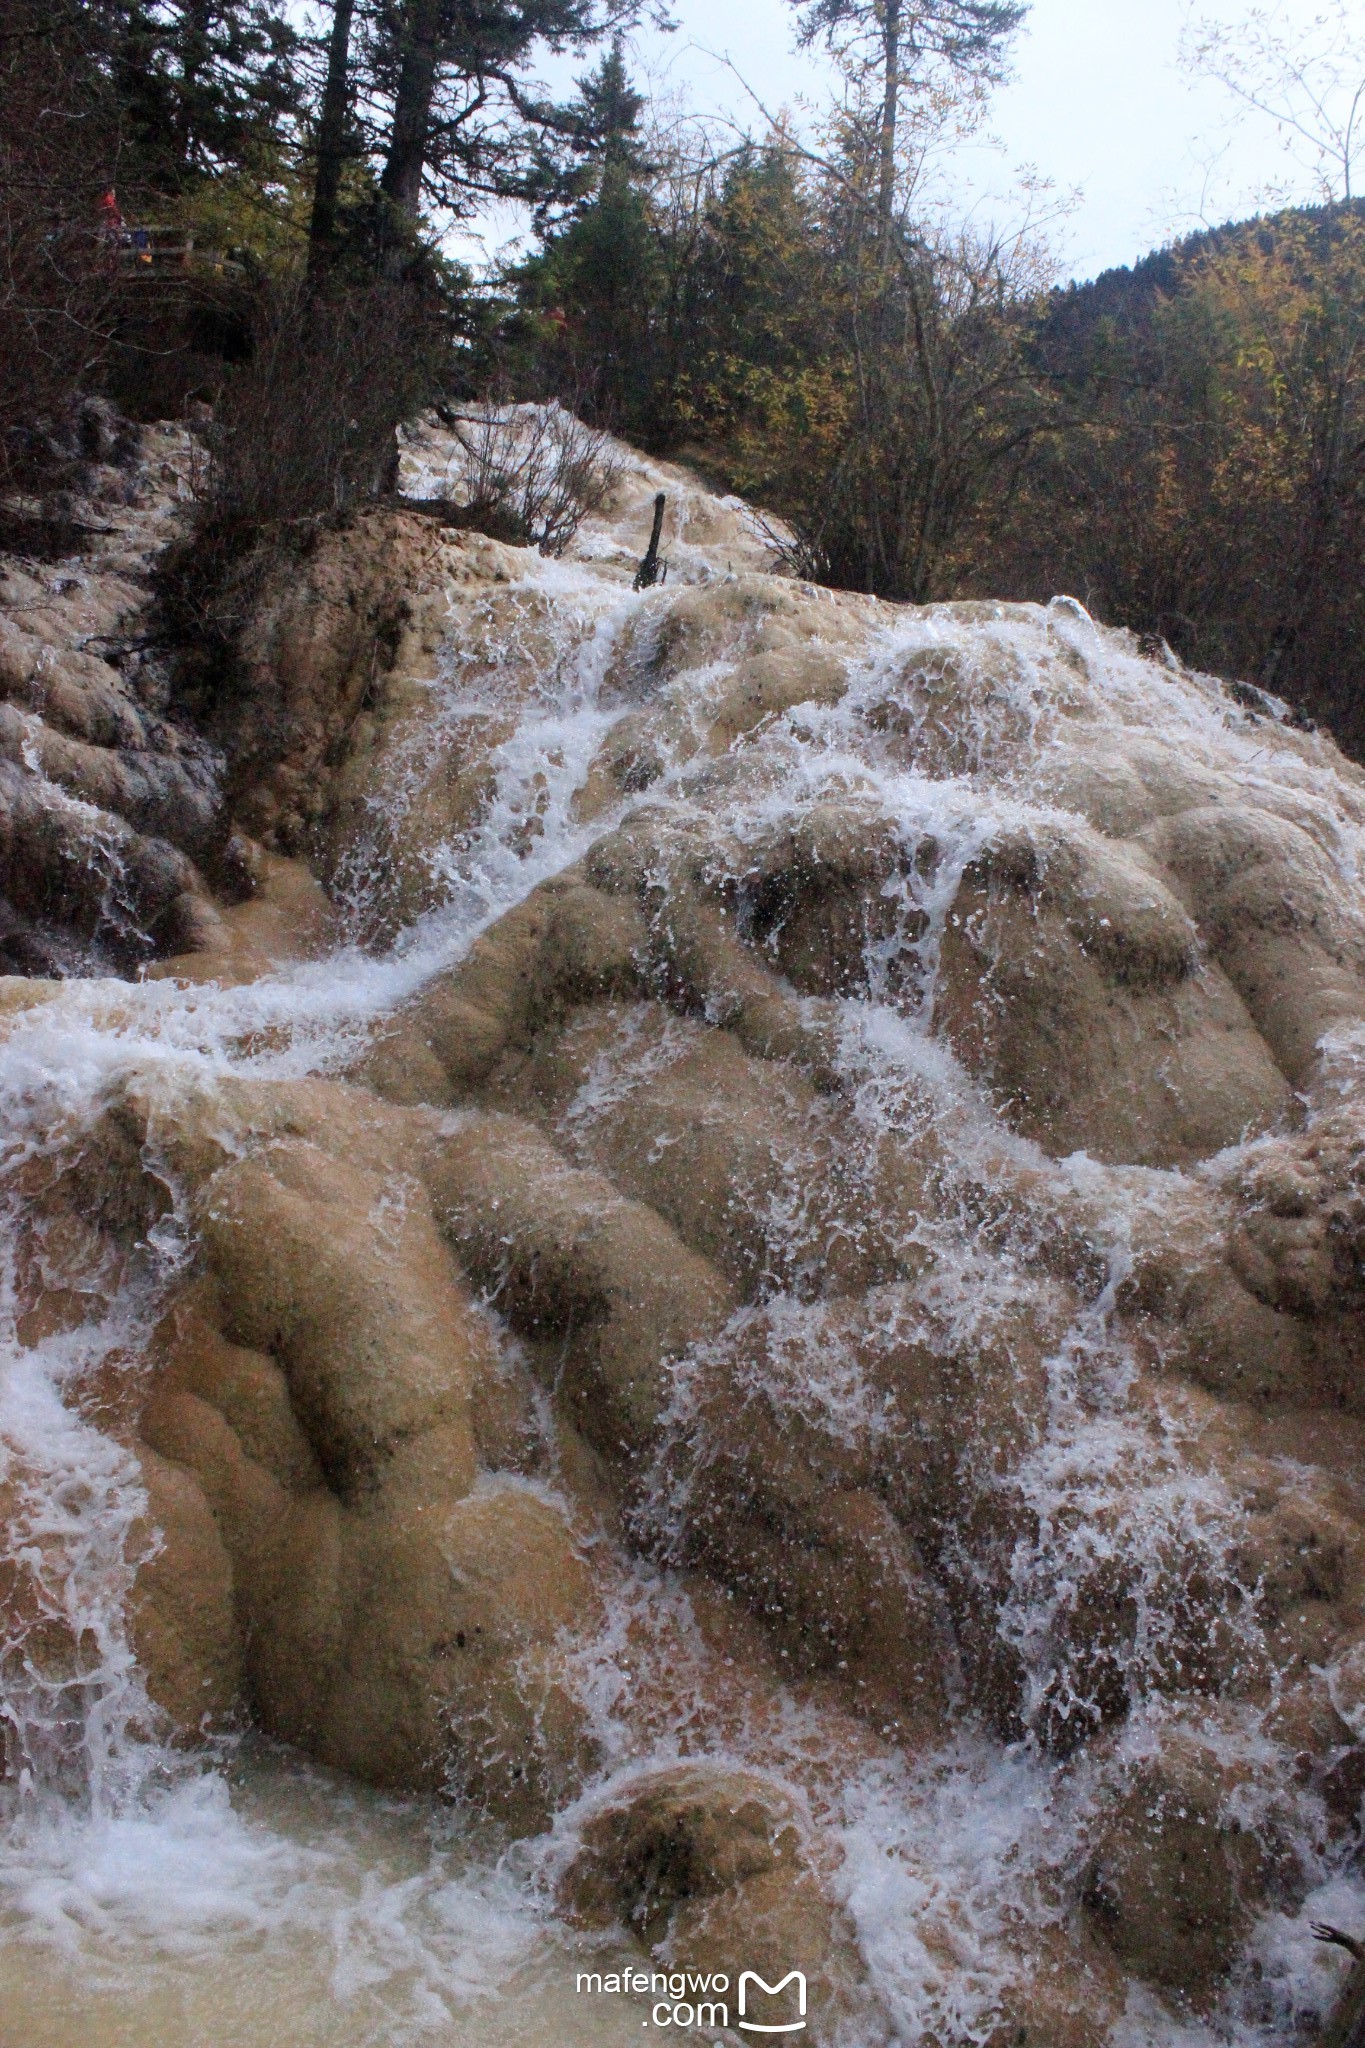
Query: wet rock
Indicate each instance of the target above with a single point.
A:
(749, 1163)
(959, 710)
(832, 907)
(709, 1867)
(111, 814)
(182, 1621)
(329, 1545)
(1070, 979)
(406, 1630)
(322, 631)
(1299, 1243)
(902, 1176)
(285, 916)
(345, 1279)
(73, 869)
(566, 944)
(1266, 895)
(1176, 1875)
(447, 1678)
(573, 1260)
(247, 1387)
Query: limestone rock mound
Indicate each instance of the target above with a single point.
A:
(850, 1121)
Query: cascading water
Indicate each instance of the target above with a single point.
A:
(243, 1897)
(863, 829)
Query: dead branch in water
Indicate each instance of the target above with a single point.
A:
(649, 572)
(1345, 2026)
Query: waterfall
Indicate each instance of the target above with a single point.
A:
(953, 1043)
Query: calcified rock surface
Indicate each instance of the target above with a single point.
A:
(107, 806)
(774, 1307)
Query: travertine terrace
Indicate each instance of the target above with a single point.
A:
(726, 1229)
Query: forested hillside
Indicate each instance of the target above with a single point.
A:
(206, 207)
(1205, 476)
(1182, 445)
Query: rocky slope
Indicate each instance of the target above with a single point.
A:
(853, 1111)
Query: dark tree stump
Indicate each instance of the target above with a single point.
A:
(648, 573)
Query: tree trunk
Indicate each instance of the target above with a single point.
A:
(891, 53)
(401, 179)
(336, 98)
(197, 22)
(1328, 501)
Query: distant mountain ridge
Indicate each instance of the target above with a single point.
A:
(1201, 472)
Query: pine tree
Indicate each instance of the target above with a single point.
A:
(468, 123)
(609, 110)
(597, 277)
(891, 49)
(202, 84)
(331, 145)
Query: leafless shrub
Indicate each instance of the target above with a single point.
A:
(306, 426)
(57, 278)
(531, 473)
(305, 430)
(796, 555)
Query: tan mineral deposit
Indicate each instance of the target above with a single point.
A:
(685, 1293)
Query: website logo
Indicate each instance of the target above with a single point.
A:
(750, 1980)
(696, 1998)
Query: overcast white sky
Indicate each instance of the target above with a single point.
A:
(1098, 102)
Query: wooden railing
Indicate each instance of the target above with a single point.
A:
(159, 251)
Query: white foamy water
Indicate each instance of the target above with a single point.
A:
(148, 1896)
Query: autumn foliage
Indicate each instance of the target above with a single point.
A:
(1180, 445)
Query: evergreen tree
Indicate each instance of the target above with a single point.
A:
(468, 123)
(608, 109)
(58, 137)
(891, 50)
(334, 143)
(202, 85)
(597, 283)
